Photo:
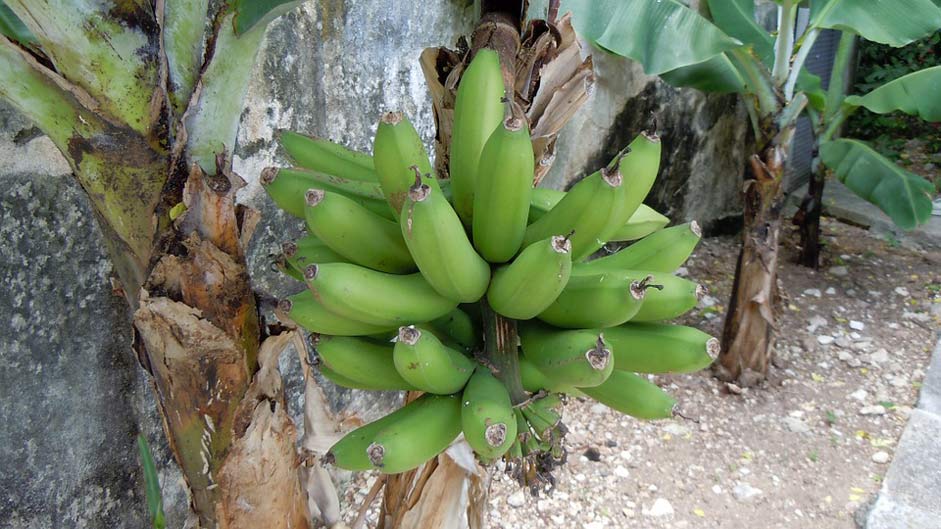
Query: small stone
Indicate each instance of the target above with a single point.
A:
(733, 388)
(844, 356)
(621, 472)
(843, 341)
(857, 325)
(830, 291)
(796, 425)
(744, 492)
(717, 489)
(708, 301)
(859, 395)
(881, 356)
(681, 271)
(824, 339)
(880, 457)
(898, 381)
(599, 409)
(517, 499)
(592, 454)
(815, 292)
(902, 291)
(676, 429)
(872, 410)
(816, 322)
(660, 507)
(839, 271)
(611, 443)
(856, 336)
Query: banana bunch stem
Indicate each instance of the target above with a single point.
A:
(500, 350)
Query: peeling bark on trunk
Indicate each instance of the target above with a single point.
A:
(748, 335)
(808, 219)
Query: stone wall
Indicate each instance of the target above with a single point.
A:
(73, 396)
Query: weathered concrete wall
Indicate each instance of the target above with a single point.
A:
(73, 395)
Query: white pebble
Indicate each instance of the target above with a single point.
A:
(857, 325)
(880, 457)
(660, 507)
(517, 499)
(825, 340)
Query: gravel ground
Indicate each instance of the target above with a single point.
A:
(807, 449)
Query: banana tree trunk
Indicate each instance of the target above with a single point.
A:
(143, 142)
(748, 335)
(808, 219)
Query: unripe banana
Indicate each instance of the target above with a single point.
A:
(373, 297)
(602, 203)
(478, 111)
(660, 348)
(598, 300)
(429, 365)
(287, 188)
(543, 419)
(351, 452)
(668, 297)
(296, 255)
(459, 327)
(579, 358)
(487, 416)
(586, 210)
(503, 190)
(528, 285)
(397, 150)
(542, 200)
(663, 251)
(428, 426)
(642, 223)
(354, 232)
(633, 395)
(303, 309)
(327, 157)
(534, 380)
(344, 382)
(438, 243)
(361, 360)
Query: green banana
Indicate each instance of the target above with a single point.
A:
(597, 206)
(503, 189)
(628, 393)
(361, 361)
(429, 365)
(663, 251)
(429, 425)
(327, 157)
(534, 380)
(397, 151)
(373, 297)
(528, 285)
(304, 251)
(579, 358)
(356, 233)
(459, 327)
(351, 452)
(478, 111)
(668, 297)
(642, 223)
(287, 188)
(660, 348)
(597, 300)
(438, 243)
(487, 416)
(542, 418)
(345, 382)
(303, 309)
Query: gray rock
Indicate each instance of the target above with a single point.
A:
(744, 492)
(815, 292)
(824, 339)
(517, 499)
(872, 410)
(661, 507)
(796, 425)
(880, 457)
(930, 399)
(839, 271)
(857, 325)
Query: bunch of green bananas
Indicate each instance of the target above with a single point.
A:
(399, 264)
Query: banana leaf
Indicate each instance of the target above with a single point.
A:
(248, 13)
(13, 28)
(717, 74)
(892, 22)
(903, 196)
(662, 35)
(917, 94)
(737, 19)
(151, 484)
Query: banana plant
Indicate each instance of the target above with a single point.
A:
(903, 196)
(720, 47)
(143, 99)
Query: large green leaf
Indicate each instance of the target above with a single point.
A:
(737, 19)
(12, 27)
(903, 196)
(662, 35)
(918, 94)
(249, 13)
(717, 74)
(892, 22)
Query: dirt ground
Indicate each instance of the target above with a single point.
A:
(808, 449)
